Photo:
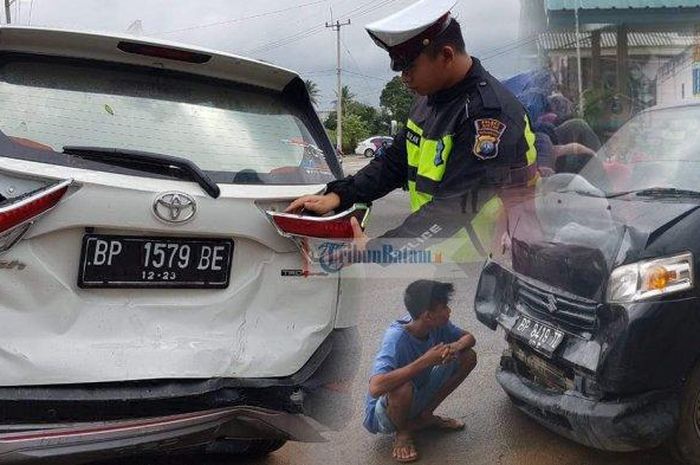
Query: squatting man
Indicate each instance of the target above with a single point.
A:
(420, 362)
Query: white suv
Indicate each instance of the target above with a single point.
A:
(146, 300)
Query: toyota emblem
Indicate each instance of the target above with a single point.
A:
(174, 207)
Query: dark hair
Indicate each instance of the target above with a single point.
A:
(452, 35)
(423, 295)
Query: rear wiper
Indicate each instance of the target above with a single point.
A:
(659, 192)
(164, 162)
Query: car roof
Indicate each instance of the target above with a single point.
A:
(103, 46)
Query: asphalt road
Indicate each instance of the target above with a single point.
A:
(496, 432)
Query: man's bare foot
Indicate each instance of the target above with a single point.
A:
(404, 448)
(443, 423)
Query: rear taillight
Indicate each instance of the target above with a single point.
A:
(323, 227)
(17, 215)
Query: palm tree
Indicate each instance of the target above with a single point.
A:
(347, 99)
(347, 96)
(313, 90)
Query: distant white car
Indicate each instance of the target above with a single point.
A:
(369, 147)
(147, 302)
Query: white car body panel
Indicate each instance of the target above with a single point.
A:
(53, 332)
(101, 46)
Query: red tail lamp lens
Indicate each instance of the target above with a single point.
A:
(338, 228)
(25, 210)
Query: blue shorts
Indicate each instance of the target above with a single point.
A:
(421, 396)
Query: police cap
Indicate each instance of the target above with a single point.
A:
(406, 33)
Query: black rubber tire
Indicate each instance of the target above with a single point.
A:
(685, 446)
(369, 153)
(248, 448)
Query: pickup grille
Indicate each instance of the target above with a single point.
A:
(573, 314)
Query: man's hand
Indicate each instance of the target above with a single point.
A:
(320, 204)
(467, 341)
(436, 355)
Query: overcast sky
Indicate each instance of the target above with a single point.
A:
(289, 33)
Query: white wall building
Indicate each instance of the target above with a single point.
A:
(679, 78)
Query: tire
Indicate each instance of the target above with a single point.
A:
(245, 448)
(369, 153)
(685, 446)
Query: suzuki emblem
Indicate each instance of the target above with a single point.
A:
(551, 303)
(174, 207)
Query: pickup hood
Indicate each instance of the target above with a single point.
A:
(573, 241)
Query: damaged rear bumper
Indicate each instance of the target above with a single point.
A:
(76, 443)
(640, 422)
(87, 422)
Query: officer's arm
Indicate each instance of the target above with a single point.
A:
(378, 178)
(454, 203)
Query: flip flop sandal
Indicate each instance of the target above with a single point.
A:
(404, 444)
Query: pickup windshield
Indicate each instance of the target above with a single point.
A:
(656, 152)
(234, 133)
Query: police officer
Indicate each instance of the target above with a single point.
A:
(465, 137)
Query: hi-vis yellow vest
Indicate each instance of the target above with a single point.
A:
(427, 161)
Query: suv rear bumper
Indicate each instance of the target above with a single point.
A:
(631, 423)
(84, 442)
(109, 419)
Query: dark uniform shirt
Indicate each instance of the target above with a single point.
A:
(457, 111)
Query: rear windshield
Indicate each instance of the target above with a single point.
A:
(235, 133)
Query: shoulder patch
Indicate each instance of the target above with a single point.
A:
(488, 135)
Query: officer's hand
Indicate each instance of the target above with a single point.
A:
(360, 239)
(320, 204)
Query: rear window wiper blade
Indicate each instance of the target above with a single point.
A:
(659, 192)
(115, 155)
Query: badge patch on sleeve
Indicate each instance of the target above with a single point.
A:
(488, 136)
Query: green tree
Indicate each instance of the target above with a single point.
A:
(348, 99)
(355, 129)
(331, 121)
(397, 99)
(313, 90)
(378, 121)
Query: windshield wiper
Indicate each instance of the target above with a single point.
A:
(659, 192)
(163, 162)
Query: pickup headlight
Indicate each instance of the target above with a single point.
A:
(651, 278)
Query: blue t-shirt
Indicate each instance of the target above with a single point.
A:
(400, 348)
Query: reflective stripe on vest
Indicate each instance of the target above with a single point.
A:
(427, 160)
(532, 174)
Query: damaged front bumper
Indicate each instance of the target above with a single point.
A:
(78, 423)
(614, 382)
(638, 422)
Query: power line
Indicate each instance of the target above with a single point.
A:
(244, 18)
(512, 49)
(363, 9)
(357, 65)
(369, 76)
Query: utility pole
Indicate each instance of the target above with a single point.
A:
(8, 20)
(339, 104)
